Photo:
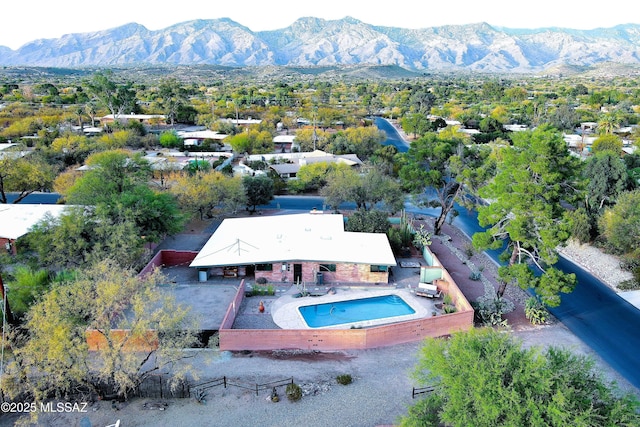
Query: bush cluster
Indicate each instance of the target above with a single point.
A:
(344, 379)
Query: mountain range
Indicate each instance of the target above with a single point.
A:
(348, 41)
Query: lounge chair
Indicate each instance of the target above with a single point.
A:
(428, 290)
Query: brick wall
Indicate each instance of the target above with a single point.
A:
(345, 273)
(344, 339)
(168, 257)
(234, 308)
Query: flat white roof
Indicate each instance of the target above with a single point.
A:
(17, 219)
(311, 237)
(135, 116)
(4, 146)
(203, 134)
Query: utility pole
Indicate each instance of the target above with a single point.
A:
(5, 303)
(315, 134)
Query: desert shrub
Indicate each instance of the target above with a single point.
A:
(535, 311)
(344, 379)
(294, 392)
(629, 285)
(258, 290)
(170, 139)
(490, 311)
(449, 308)
(446, 299)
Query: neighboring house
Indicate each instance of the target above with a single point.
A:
(146, 119)
(244, 123)
(580, 144)
(198, 137)
(287, 165)
(311, 248)
(516, 128)
(242, 169)
(4, 146)
(17, 219)
(284, 143)
(8, 154)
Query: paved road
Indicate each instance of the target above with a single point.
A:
(36, 198)
(393, 137)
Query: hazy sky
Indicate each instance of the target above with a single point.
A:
(27, 20)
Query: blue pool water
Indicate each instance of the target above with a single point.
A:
(357, 310)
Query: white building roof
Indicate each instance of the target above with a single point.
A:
(134, 116)
(4, 146)
(202, 134)
(17, 219)
(299, 237)
(284, 139)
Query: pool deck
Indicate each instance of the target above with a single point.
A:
(209, 300)
(286, 314)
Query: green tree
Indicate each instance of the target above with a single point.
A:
(204, 191)
(416, 123)
(154, 214)
(376, 187)
(117, 98)
(259, 190)
(607, 142)
(109, 173)
(366, 190)
(485, 378)
(23, 175)
(525, 213)
(197, 165)
(253, 141)
(607, 177)
(65, 241)
(81, 235)
(372, 221)
(172, 98)
(620, 224)
(25, 287)
(384, 159)
(362, 141)
(341, 183)
(127, 312)
(170, 139)
(608, 123)
(261, 141)
(240, 143)
(446, 168)
(312, 139)
(310, 177)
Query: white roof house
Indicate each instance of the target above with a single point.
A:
(142, 118)
(197, 137)
(17, 219)
(309, 237)
(288, 164)
(4, 146)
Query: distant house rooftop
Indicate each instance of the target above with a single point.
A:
(17, 219)
(142, 118)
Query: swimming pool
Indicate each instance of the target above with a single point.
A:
(355, 310)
